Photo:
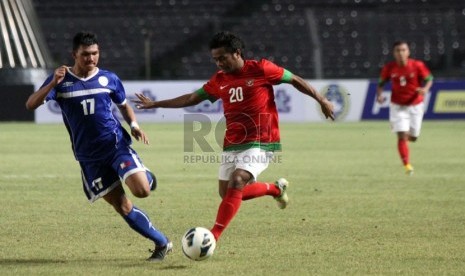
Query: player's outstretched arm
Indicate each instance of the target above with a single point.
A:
(301, 85)
(37, 99)
(144, 102)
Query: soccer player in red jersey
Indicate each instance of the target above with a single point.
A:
(252, 132)
(410, 80)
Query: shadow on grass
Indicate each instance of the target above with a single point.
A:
(31, 261)
(173, 267)
(121, 263)
(157, 265)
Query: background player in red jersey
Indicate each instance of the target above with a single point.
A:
(252, 132)
(410, 80)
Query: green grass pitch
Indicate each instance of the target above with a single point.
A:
(353, 210)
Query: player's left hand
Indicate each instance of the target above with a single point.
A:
(137, 133)
(144, 102)
(421, 91)
(328, 109)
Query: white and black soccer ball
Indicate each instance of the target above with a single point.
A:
(198, 244)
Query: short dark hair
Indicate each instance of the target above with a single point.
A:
(84, 38)
(399, 42)
(229, 41)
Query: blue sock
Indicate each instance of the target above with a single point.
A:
(141, 223)
(152, 180)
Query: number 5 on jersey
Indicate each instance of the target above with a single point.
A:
(403, 81)
(88, 106)
(236, 95)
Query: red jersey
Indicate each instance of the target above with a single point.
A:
(405, 80)
(248, 103)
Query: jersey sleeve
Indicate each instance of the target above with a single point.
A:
(52, 95)
(209, 91)
(274, 73)
(204, 95)
(119, 94)
(424, 72)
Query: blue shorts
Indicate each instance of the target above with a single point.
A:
(101, 177)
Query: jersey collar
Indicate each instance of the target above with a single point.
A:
(83, 79)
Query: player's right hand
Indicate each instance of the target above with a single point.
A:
(59, 74)
(137, 133)
(327, 108)
(380, 99)
(144, 102)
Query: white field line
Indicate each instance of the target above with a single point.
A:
(33, 176)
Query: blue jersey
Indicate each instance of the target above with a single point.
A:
(86, 108)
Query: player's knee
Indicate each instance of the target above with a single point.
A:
(412, 139)
(141, 192)
(402, 136)
(138, 184)
(238, 182)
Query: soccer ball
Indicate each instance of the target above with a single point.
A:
(198, 244)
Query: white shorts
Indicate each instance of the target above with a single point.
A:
(406, 118)
(253, 160)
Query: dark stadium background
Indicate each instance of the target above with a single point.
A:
(168, 39)
(354, 36)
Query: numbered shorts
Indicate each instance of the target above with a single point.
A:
(101, 177)
(253, 160)
(406, 118)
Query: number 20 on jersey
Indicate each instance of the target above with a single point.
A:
(236, 95)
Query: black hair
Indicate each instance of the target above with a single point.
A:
(399, 42)
(229, 41)
(85, 39)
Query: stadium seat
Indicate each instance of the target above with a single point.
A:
(355, 36)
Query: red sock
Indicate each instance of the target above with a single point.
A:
(402, 146)
(227, 210)
(259, 189)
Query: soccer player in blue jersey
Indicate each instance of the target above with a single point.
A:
(101, 145)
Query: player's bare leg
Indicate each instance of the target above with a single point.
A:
(136, 218)
(231, 201)
(222, 187)
(402, 146)
(138, 184)
(117, 198)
